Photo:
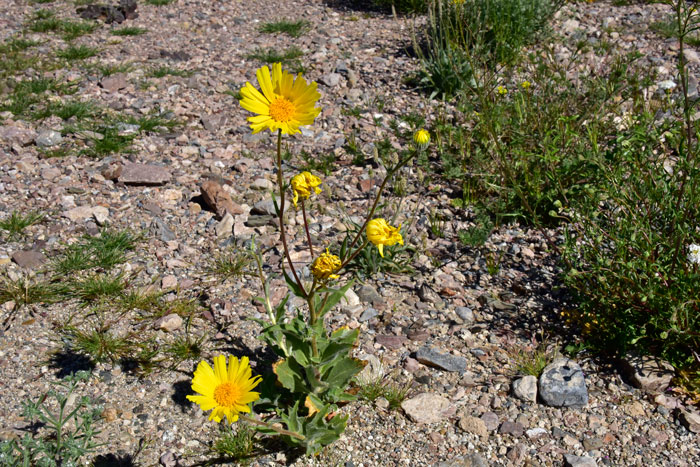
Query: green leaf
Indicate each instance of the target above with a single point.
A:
(293, 285)
(335, 296)
(291, 375)
(341, 372)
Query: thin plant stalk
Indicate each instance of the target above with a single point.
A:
(306, 228)
(272, 427)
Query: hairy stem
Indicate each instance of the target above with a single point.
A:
(272, 427)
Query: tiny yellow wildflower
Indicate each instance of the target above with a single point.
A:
(525, 85)
(502, 90)
(422, 138)
(325, 266)
(227, 391)
(303, 184)
(381, 234)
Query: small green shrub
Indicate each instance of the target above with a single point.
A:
(129, 31)
(77, 52)
(65, 433)
(291, 28)
(15, 224)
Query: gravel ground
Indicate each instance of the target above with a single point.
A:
(457, 308)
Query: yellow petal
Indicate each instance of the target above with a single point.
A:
(380, 247)
(263, 75)
(220, 368)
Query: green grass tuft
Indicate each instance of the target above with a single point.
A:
(289, 57)
(15, 224)
(290, 28)
(77, 52)
(129, 31)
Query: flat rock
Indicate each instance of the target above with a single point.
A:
(512, 428)
(469, 460)
(161, 229)
(428, 408)
(579, 461)
(490, 419)
(648, 373)
(81, 213)
(115, 82)
(690, 420)
(218, 199)
(262, 184)
(28, 259)
(144, 174)
(525, 388)
(562, 384)
(431, 357)
(350, 299)
(465, 314)
(225, 226)
(390, 341)
(212, 122)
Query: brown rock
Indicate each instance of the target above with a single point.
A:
(690, 420)
(28, 259)
(473, 425)
(112, 172)
(144, 174)
(218, 199)
(648, 373)
(427, 408)
(16, 135)
(115, 82)
(109, 414)
(215, 121)
(389, 341)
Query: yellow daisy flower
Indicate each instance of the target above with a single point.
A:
(325, 266)
(285, 103)
(422, 138)
(227, 391)
(382, 234)
(302, 185)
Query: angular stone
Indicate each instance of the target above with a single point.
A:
(261, 184)
(29, 259)
(214, 121)
(465, 314)
(648, 373)
(368, 314)
(427, 408)
(490, 419)
(470, 460)
(48, 138)
(579, 461)
(517, 454)
(144, 174)
(512, 428)
(218, 199)
(429, 356)
(82, 213)
(690, 420)
(15, 135)
(390, 342)
(562, 384)
(225, 226)
(634, 409)
(100, 214)
(525, 388)
(369, 294)
(259, 221)
(535, 433)
(473, 425)
(161, 229)
(170, 323)
(350, 299)
(264, 207)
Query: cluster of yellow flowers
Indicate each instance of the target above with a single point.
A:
(283, 104)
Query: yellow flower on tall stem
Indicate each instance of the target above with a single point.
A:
(325, 266)
(303, 184)
(285, 103)
(422, 138)
(381, 234)
(227, 391)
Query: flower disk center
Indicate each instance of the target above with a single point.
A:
(282, 109)
(227, 394)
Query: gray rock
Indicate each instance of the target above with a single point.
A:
(351, 299)
(331, 79)
(579, 461)
(369, 294)
(48, 138)
(161, 229)
(428, 295)
(535, 433)
(259, 221)
(690, 420)
(29, 259)
(429, 356)
(465, 314)
(525, 388)
(470, 460)
(144, 174)
(261, 184)
(427, 408)
(215, 121)
(368, 314)
(81, 213)
(562, 384)
(264, 207)
(648, 373)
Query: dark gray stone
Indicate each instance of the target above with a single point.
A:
(429, 356)
(161, 229)
(28, 259)
(562, 384)
(368, 314)
(369, 294)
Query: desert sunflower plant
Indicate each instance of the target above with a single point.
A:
(300, 400)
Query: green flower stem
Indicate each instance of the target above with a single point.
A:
(388, 176)
(306, 228)
(283, 237)
(352, 256)
(272, 427)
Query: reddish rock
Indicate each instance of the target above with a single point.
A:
(144, 174)
(218, 199)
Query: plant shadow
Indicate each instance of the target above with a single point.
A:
(67, 362)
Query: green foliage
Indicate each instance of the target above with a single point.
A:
(291, 28)
(235, 445)
(128, 31)
(15, 224)
(77, 52)
(110, 69)
(533, 361)
(403, 6)
(24, 291)
(667, 27)
(164, 71)
(289, 57)
(229, 264)
(397, 258)
(94, 287)
(104, 252)
(67, 428)
(100, 344)
(477, 234)
(318, 163)
(627, 247)
(45, 21)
